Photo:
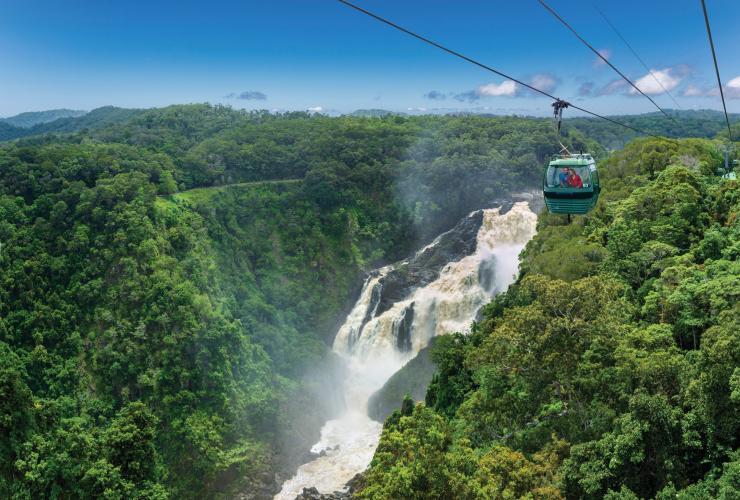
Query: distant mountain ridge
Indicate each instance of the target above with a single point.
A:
(376, 113)
(689, 123)
(97, 118)
(31, 118)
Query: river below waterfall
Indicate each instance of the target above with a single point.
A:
(401, 307)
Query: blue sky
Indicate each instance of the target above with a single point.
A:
(301, 54)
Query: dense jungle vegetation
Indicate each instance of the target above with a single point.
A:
(171, 279)
(611, 369)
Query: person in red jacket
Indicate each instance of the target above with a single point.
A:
(574, 180)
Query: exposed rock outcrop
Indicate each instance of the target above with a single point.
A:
(425, 266)
(314, 494)
(413, 379)
(403, 329)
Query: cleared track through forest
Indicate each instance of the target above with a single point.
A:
(206, 190)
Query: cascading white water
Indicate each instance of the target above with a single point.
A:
(368, 343)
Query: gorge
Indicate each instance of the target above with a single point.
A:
(183, 315)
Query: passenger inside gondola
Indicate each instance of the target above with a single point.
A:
(568, 177)
(563, 177)
(574, 180)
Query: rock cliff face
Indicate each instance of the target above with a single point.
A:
(403, 329)
(413, 379)
(425, 266)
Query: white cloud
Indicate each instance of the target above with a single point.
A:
(733, 88)
(692, 91)
(606, 54)
(506, 88)
(315, 109)
(544, 82)
(668, 79)
(612, 87)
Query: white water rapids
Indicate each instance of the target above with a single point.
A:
(448, 304)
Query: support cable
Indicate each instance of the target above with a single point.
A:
(598, 54)
(634, 53)
(492, 70)
(716, 69)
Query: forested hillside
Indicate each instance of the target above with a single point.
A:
(66, 121)
(170, 283)
(171, 280)
(611, 369)
(31, 118)
(690, 123)
(425, 163)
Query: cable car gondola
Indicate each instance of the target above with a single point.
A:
(570, 183)
(571, 197)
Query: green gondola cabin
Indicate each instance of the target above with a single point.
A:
(570, 184)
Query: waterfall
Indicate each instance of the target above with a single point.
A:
(376, 344)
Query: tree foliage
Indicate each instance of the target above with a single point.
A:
(618, 347)
(171, 278)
